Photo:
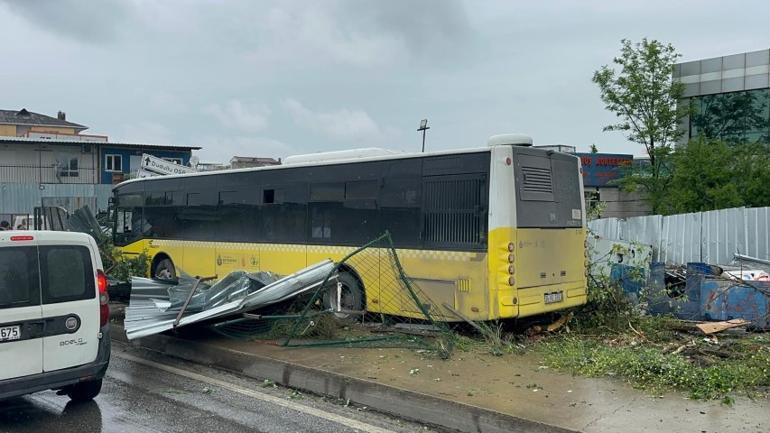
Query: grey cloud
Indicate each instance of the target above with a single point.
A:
(356, 69)
(430, 28)
(92, 22)
(236, 115)
(341, 124)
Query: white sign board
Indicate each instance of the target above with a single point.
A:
(161, 166)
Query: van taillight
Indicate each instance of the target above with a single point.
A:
(22, 238)
(104, 298)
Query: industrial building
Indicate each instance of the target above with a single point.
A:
(729, 97)
(49, 161)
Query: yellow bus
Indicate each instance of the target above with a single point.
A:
(497, 232)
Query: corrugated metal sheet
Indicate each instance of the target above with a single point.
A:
(711, 237)
(607, 227)
(757, 222)
(644, 230)
(680, 238)
(16, 198)
(114, 144)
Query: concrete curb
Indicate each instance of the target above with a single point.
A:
(400, 402)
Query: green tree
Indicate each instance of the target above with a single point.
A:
(701, 179)
(751, 173)
(710, 175)
(643, 96)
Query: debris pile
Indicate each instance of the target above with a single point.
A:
(704, 292)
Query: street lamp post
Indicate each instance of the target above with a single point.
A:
(423, 127)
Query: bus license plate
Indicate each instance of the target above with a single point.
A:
(551, 298)
(8, 333)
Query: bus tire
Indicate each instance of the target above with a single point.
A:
(164, 269)
(352, 296)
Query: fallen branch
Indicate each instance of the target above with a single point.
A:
(635, 331)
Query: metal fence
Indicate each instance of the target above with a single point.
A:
(18, 198)
(711, 237)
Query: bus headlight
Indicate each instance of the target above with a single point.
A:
(511, 269)
(511, 257)
(511, 246)
(511, 281)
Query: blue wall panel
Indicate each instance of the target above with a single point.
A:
(127, 153)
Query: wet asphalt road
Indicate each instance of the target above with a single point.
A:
(144, 392)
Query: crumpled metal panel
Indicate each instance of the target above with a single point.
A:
(152, 310)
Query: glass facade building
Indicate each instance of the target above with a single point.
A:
(729, 97)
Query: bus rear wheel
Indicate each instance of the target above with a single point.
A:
(164, 270)
(350, 298)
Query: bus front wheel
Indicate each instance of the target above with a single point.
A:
(345, 297)
(164, 270)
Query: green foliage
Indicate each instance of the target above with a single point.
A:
(607, 306)
(644, 98)
(120, 266)
(124, 267)
(648, 367)
(709, 175)
(595, 210)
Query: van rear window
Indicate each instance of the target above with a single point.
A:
(67, 273)
(19, 281)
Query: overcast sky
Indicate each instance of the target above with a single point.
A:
(274, 78)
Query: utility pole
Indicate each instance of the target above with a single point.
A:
(423, 127)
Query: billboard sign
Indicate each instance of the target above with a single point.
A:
(600, 169)
(161, 166)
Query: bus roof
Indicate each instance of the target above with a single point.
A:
(323, 162)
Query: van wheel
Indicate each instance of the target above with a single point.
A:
(351, 296)
(84, 391)
(164, 270)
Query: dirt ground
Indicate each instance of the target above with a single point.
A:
(516, 384)
(521, 386)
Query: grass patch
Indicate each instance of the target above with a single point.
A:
(704, 369)
(612, 337)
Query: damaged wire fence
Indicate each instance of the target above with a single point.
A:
(365, 299)
(374, 303)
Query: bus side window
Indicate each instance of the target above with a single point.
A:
(268, 196)
(124, 224)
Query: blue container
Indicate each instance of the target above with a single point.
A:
(659, 300)
(690, 306)
(727, 300)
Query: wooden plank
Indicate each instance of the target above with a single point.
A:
(714, 327)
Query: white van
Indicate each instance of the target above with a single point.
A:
(54, 314)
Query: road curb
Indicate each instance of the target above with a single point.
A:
(396, 401)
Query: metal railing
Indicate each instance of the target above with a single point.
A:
(46, 174)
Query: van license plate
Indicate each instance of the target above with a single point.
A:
(8, 333)
(551, 298)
